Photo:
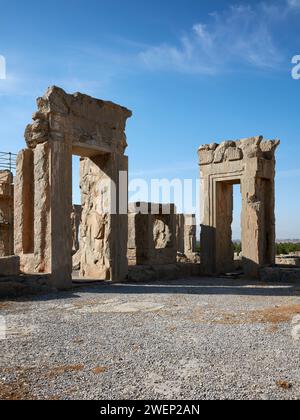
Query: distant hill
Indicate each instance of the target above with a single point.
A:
(288, 241)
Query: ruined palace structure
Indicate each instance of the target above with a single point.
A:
(250, 163)
(66, 125)
(48, 230)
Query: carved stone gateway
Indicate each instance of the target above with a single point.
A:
(250, 163)
(94, 130)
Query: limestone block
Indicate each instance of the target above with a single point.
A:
(233, 153)
(288, 260)
(190, 231)
(161, 234)
(219, 154)
(152, 237)
(75, 223)
(251, 146)
(76, 261)
(24, 203)
(268, 148)
(9, 266)
(42, 216)
(90, 123)
(6, 213)
(206, 157)
(206, 153)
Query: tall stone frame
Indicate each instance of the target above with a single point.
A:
(251, 163)
(66, 125)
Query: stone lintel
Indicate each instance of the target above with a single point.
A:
(85, 122)
(237, 150)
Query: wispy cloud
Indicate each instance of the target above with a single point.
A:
(236, 38)
(241, 35)
(294, 4)
(290, 173)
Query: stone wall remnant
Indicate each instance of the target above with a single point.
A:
(152, 234)
(9, 266)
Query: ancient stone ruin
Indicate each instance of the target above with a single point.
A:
(102, 236)
(94, 130)
(251, 163)
(152, 234)
(186, 236)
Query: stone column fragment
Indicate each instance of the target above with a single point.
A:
(6, 213)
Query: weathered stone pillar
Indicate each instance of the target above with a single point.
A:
(258, 216)
(6, 213)
(190, 233)
(61, 208)
(208, 228)
(224, 218)
(24, 203)
(180, 220)
(24, 209)
(186, 234)
(104, 227)
(42, 215)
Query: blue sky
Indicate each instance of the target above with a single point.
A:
(192, 72)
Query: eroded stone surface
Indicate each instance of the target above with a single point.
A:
(9, 266)
(186, 236)
(237, 150)
(6, 213)
(152, 237)
(75, 223)
(251, 163)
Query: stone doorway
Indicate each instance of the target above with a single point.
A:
(66, 125)
(250, 162)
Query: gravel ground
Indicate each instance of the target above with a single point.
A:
(192, 339)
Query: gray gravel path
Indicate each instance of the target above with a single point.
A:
(192, 339)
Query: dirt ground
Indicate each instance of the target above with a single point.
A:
(188, 339)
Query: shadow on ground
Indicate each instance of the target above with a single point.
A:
(194, 286)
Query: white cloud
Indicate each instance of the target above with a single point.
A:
(241, 35)
(294, 4)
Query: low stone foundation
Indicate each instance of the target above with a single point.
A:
(24, 285)
(144, 273)
(292, 260)
(9, 266)
(280, 274)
